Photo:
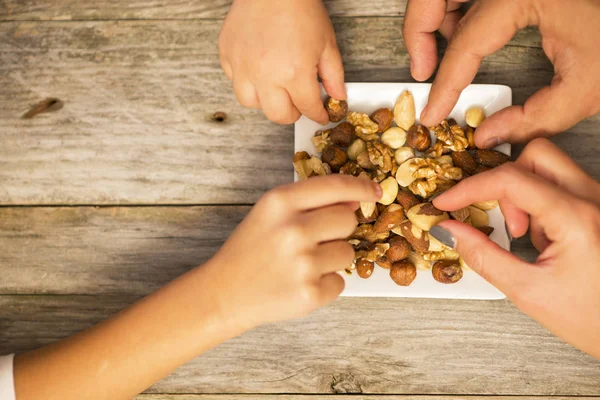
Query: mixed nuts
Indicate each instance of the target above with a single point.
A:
(411, 168)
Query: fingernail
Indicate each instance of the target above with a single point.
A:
(443, 235)
(510, 236)
(378, 190)
(493, 142)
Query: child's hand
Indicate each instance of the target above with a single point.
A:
(281, 261)
(273, 51)
(548, 193)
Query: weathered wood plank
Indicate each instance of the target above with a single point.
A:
(176, 9)
(114, 250)
(339, 397)
(139, 96)
(368, 346)
(126, 250)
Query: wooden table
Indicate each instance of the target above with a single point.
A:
(134, 182)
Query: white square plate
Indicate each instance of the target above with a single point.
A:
(367, 97)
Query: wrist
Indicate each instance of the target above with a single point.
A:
(231, 305)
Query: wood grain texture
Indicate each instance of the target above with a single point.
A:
(176, 9)
(124, 250)
(136, 127)
(340, 397)
(358, 346)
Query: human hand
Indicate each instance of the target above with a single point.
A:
(569, 39)
(547, 192)
(273, 52)
(281, 261)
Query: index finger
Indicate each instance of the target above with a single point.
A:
(486, 27)
(523, 189)
(306, 96)
(327, 190)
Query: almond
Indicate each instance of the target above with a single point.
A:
(389, 219)
(404, 110)
(464, 161)
(406, 199)
(489, 158)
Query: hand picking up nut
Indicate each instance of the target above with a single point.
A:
(412, 163)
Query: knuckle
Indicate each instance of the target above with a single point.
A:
(303, 265)
(281, 116)
(293, 234)
(246, 99)
(274, 200)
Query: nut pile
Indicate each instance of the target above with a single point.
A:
(394, 232)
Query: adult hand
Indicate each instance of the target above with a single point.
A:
(547, 192)
(281, 261)
(273, 52)
(569, 38)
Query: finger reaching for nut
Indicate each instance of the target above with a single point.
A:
(411, 163)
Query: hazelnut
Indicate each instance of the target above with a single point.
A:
(425, 215)
(402, 154)
(479, 217)
(486, 205)
(364, 160)
(406, 199)
(388, 219)
(394, 137)
(357, 147)
(383, 262)
(390, 190)
(404, 110)
(334, 156)
(343, 135)
(403, 272)
(351, 168)
(364, 268)
(447, 271)
(474, 116)
(301, 156)
(337, 109)
(383, 117)
(399, 249)
(418, 137)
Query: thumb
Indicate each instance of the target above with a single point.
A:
(506, 272)
(331, 71)
(548, 111)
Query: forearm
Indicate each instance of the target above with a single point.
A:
(127, 353)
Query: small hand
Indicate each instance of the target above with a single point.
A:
(281, 261)
(569, 39)
(547, 192)
(273, 52)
